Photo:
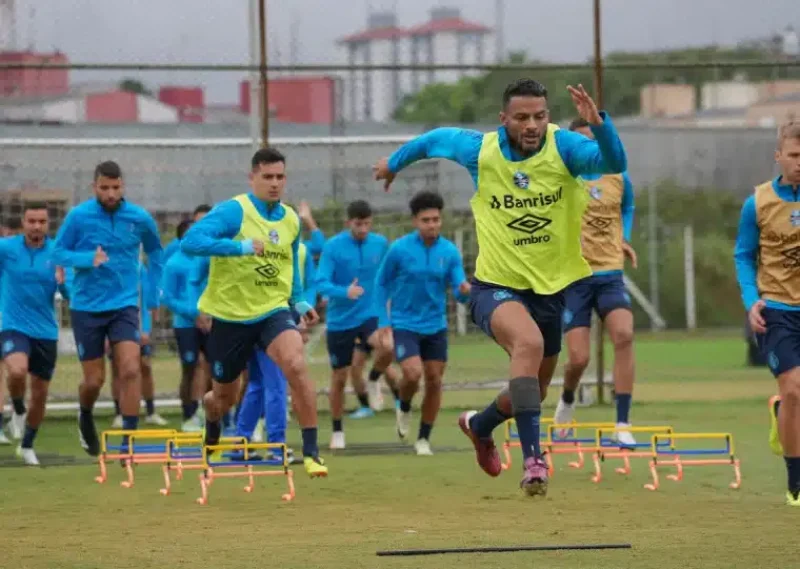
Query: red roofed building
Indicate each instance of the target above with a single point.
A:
(445, 39)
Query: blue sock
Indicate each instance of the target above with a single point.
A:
(405, 406)
(375, 375)
(150, 405)
(528, 428)
(30, 434)
(213, 432)
(19, 405)
(129, 423)
(425, 431)
(363, 399)
(117, 410)
(793, 470)
(483, 423)
(1, 418)
(187, 411)
(337, 425)
(310, 442)
(226, 420)
(623, 407)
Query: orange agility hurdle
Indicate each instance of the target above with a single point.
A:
(186, 453)
(130, 454)
(607, 447)
(246, 466)
(570, 444)
(511, 439)
(676, 457)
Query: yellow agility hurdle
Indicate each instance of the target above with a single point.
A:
(511, 440)
(676, 457)
(211, 468)
(128, 454)
(606, 447)
(574, 444)
(185, 452)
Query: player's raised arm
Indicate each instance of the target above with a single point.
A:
(457, 277)
(213, 235)
(65, 253)
(746, 254)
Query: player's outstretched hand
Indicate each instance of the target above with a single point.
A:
(354, 291)
(381, 171)
(304, 212)
(310, 319)
(203, 322)
(585, 105)
(465, 288)
(100, 257)
(258, 247)
(630, 253)
(757, 323)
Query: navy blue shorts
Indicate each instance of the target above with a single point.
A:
(230, 345)
(42, 354)
(601, 293)
(781, 343)
(429, 347)
(92, 328)
(545, 309)
(191, 343)
(341, 343)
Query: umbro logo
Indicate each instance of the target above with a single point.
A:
(268, 271)
(792, 257)
(529, 223)
(599, 222)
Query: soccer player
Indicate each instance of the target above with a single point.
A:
(29, 333)
(606, 234)
(768, 270)
(346, 275)
(175, 245)
(413, 281)
(7, 230)
(527, 206)
(253, 284)
(101, 239)
(191, 328)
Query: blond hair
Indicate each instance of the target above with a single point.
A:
(790, 130)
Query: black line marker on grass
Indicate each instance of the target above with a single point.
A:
(411, 552)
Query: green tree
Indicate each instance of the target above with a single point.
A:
(134, 86)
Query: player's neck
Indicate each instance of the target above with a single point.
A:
(784, 181)
(31, 244)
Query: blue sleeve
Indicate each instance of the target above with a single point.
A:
(297, 285)
(746, 253)
(4, 243)
(627, 207)
(584, 156)
(213, 235)
(309, 286)
(327, 266)
(316, 243)
(66, 239)
(457, 144)
(457, 275)
(151, 242)
(66, 288)
(383, 278)
(171, 248)
(172, 300)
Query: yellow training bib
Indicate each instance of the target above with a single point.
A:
(248, 287)
(602, 224)
(528, 219)
(778, 246)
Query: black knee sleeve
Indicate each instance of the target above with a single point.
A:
(525, 395)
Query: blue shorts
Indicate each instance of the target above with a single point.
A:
(191, 343)
(42, 354)
(92, 328)
(781, 343)
(341, 343)
(429, 347)
(601, 293)
(545, 309)
(230, 345)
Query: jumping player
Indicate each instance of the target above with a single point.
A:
(346, 275)
(252, 287)
(29, 334)
(527, 208)
(413, 281)
(101, 239)
(768, 270)
(605, 236)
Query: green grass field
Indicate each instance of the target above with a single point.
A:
(59, 517)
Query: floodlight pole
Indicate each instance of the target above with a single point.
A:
(598, 94)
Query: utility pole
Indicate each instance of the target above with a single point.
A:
(262, 45)
(598, 97)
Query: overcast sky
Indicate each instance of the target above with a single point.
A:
(216, 31)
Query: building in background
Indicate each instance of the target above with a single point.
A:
(189, 101)
(446, 39)
(30, 81)
(296, 99)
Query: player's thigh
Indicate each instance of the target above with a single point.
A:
(90, 330)
(230, 345)
(282, 341)
(340, 344)
(781, 342)
(16, 349)
(123, 326)
(368, 336)
(502, 315)
(579, 299)
(547, 312)
(579, 345)
(127, 358)
(43, 358)
(546, 371)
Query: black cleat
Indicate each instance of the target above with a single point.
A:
(88, 435)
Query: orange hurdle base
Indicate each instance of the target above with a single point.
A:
(679, 464)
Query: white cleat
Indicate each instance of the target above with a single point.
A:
(564, 415)
(423, 448)
(17, 426)
(3, 438)
(192, 425)
(117, 422)
(258, 433)
(337, 440)
(403, 423)
(375, 395)
(155, 419)
(28, 456)
(623, 437)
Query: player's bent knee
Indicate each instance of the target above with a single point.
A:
(622, 338)
(789, 385)
(525, 395)
(578, 360)
(528, 348)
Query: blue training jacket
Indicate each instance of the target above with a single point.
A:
(180, 294)
(115, 284)
(172, 247)
(746, 251)
(344, 259)
(29, 288)
(414, 278)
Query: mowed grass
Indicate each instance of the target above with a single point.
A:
(59, 517)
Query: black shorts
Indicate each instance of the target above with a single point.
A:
(92, 328)
(230, 345)
(545, 309)
(42, 354)
(781, 343)
(191, 343)
(428, 347)
(341, 343)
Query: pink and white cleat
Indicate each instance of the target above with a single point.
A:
(534, 481)
(485, 451)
